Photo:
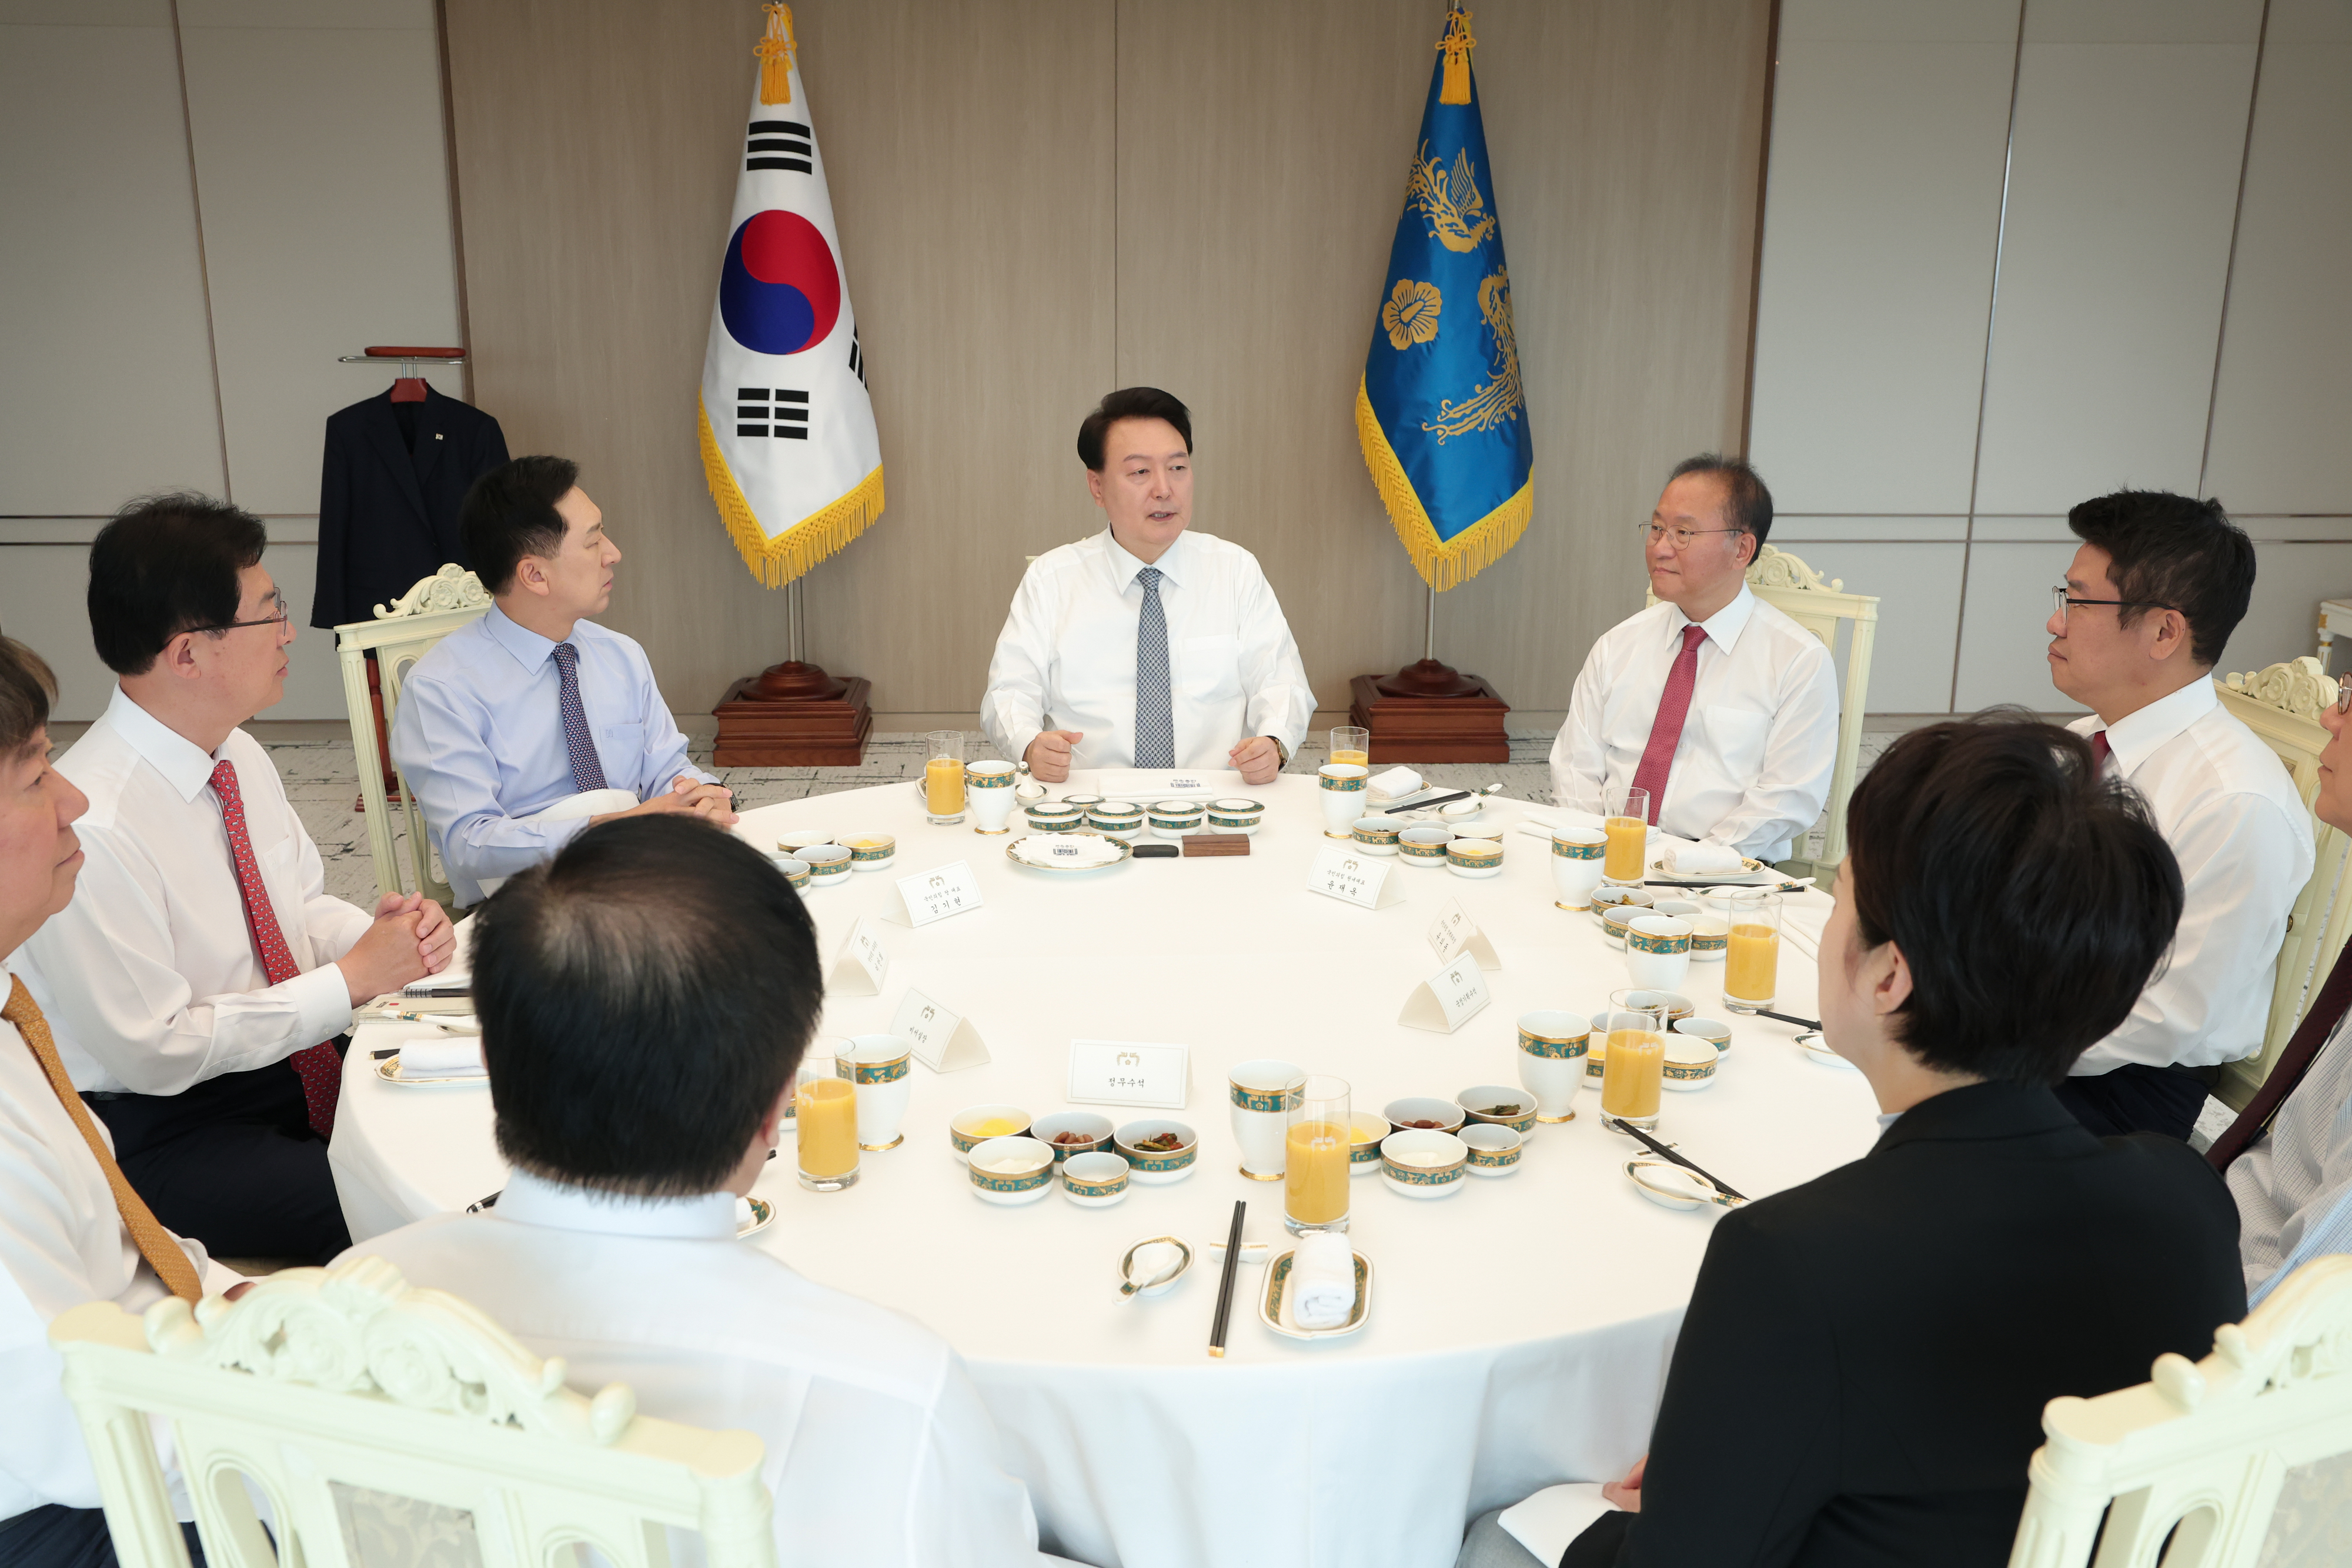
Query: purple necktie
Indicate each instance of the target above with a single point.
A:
(587, 770)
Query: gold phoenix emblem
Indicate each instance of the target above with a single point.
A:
(1410, 314)
(1499, 401)
(1457, 213)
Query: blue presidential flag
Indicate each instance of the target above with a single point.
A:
(1440, 413)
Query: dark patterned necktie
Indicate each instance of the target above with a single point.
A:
(587, 768)
(1155, 713)
(319, 1066)
(2327, 1010)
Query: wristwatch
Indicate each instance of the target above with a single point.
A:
(1281, 751)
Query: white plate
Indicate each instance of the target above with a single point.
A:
(762, 1213)
(1273, 1305)
(389, 1071)
(1818, 1053)
(1014, 852)
(1670, 1186)
(1755, 872)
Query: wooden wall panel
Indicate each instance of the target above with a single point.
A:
(1039, 200)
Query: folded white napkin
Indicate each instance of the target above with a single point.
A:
(1322, 1280)
(1396, 782)
(1546, 1522)
(1801, 925)
(1684, 858)
(454, 1058)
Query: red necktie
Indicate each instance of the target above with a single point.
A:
(2326, 1010)
(1667, 731)
(320, 1069)
(2099, 749)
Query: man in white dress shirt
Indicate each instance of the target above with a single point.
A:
(2288, 1158)
(1722, 708)
(65, 1236)
(2153, 592)
(534, 702)
(644, 1000)
(1151, 645)
(199, 981)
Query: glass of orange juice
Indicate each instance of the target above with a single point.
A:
(1626, 820)
(826, 1109)
(1634, 1074)
(1314, 1157)
(1752, 956)
(1350, 743)
(943, 776)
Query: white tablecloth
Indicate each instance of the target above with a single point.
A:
(1520, 1331)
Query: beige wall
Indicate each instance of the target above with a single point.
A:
(1041, 199)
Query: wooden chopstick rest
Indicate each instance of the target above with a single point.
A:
(1215, 844)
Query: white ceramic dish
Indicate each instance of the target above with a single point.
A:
(1127, 1262)
(389, 1071)
(1669, 1186)
(1156, 1168)
(1817, 1051)
(1421, 1181)
(1011, 1189)
(1044, 852)
(1094, 1180)
(762, 1214)
(1690, 1064)
(1274, 1302)
(1751, 872)
(1495, 1149)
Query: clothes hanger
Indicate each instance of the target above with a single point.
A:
(410, 386)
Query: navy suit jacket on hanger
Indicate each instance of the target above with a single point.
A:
(388, 501)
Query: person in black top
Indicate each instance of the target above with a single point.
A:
(1862, 1370)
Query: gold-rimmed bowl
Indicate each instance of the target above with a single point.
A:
(1425, 1165)
(963, 1127)
(1496, 1106)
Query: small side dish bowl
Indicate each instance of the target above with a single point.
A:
(1402, 1114)
(870, 850)
(1710, 937)
(1475, 857)
(1236, 814)
(1494, 1150)
(1054, 1129)
(1365, 1132)
(1157, 1167)
(798, 839)
(1174, 818)
(1376, 835)
(828, 864)
(1690, 1063)
(1609, 896)
(1095, 1181)
(1029, 1178)
(975, 1124)
(1620, 919)
(1425, 845)
(1423, 1164)
(1499, 1107)
(1714, 1030)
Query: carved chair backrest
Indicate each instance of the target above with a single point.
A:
(2204, 1446)
(325, 1385)
(2283, 704)
(400, 634)
(1786, 583)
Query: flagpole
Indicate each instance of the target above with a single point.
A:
(1429, 630)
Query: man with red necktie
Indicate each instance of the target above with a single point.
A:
(2150, 601)
(1720, 707)
(198, 982)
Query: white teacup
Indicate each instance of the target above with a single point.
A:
(1342, 790)
(1657, 951)
(988, 791)
(880, 1067)
(1264, 1092)
(1552, 1061)
(1577, 856)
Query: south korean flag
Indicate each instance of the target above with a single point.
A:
(787, 434)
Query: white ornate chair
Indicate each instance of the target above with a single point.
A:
(323, 1380)
(2283, 704)
(399, 635)
(1786, 583)
(2204, 1447)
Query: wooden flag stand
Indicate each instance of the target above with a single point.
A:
(1431, 712)
(793, 715)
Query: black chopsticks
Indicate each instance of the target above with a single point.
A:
(1789, 1018)
(1661, 1151)
(1226, 1283)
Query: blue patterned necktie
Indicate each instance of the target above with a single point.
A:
(587, 768)
(1155, 715)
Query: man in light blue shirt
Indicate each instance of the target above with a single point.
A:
(535, 704)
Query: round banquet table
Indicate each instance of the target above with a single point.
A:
(1519, 1330)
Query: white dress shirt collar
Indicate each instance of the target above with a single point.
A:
(559, 1205)
(1124, 564)
(2135, 736)
(185, 765)
(530, 648)
(1723, 627)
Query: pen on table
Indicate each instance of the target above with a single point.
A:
(1225, 1281)
(1660, 1149)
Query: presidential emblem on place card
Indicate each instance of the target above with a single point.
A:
(941, 1038)
(1130, 1072)
(862, 966)
(1447, 999)
(1353, 877)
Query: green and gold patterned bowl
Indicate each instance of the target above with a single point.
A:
(1031, 1179)
(1421, 1164)
(964, 1138)
(1365, 1132)
(870, 850)
(1235, 814)
(1493, 1105)
(1157, 1167)
(1494, 1150)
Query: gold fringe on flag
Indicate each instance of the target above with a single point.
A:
(1442, 563)
(774, 54)
(1456, 46)
(777, 562)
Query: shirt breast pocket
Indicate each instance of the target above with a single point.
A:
(1210, 668)
(1738, 736)
(617, 746)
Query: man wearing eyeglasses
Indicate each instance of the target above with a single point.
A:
(196, 984)
(1719, 706)
(2153, 592)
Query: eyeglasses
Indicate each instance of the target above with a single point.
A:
(285, 612)
(2343, 694)
(2064, 599)
(1652, 533)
